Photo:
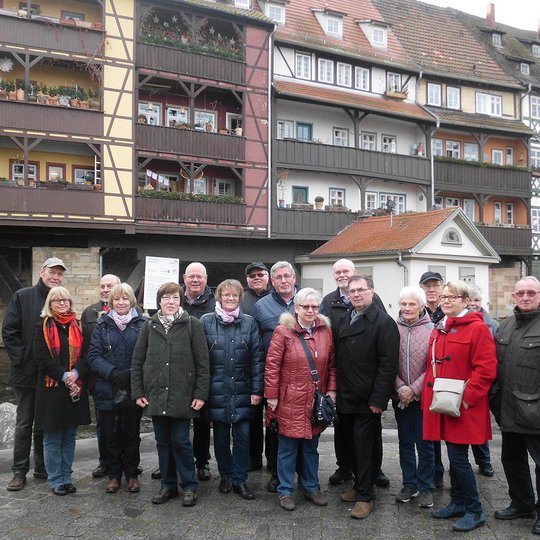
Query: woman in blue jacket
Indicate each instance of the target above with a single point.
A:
(109, 357)
(236, 375)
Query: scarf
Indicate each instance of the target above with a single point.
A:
(52, 340)
(168, 320)
(122, 320)
(228, 317)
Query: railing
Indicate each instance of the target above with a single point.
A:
(190, 142)
(149, 209)
(346, 160)
(508, 240)
(309, 224)
(191, 63)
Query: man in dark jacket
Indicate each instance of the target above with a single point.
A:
(89, 317)
(257, 285)
(518, 415)
(367, 353)
(22, 314)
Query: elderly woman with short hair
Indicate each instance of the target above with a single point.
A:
(290, 390)
(415, 327)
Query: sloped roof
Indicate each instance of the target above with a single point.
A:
(254, 14)
(381, 105)
(441, 44)
(385, 234)
(302, 27)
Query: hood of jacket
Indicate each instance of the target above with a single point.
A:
(291, 322)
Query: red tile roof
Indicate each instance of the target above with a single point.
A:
(384, 234)
(381, 105)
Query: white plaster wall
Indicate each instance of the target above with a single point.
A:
(437, 247)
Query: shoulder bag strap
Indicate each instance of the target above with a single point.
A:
(433, 361)
(314, 372)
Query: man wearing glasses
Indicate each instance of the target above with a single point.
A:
(22, 314)
(518, 398)
(367, 352)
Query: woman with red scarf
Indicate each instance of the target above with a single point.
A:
(61, 399)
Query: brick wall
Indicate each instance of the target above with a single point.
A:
(501, 285)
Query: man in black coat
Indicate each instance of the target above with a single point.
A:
(367, 353)
(22, 314)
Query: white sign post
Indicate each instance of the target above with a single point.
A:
(157, 271)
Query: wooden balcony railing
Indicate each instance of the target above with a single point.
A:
(508, 240)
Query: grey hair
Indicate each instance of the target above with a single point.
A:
(122, 289)
(307, 292)
(366, 278)
(282, 264)
(413, 291)
(529, 278)
(475, 291)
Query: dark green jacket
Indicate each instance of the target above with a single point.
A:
(171, 369)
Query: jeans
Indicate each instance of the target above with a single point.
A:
(22, 444)
(201, 438)
(481, 454)
(409, 423)
(59, 450)
(515, 461)
(120, 432)
(439, 467)
(463, 491)
(232, 465)
(175, 453)
(286, 464)
(102, 449)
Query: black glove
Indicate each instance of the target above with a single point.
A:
(121, 378)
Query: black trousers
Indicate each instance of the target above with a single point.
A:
(201, 438)
(256, 435)
(516, 448)
(100, 439)
(340, 442)
(120, 430)
(363, 446)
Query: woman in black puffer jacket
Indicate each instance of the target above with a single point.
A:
(236, 375)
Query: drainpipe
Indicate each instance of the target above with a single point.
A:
(399, 262)
(270, 184)
(432, 163)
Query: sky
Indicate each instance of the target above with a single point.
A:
(518, 13)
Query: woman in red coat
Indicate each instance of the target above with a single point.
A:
(290, 391)
(461, 347)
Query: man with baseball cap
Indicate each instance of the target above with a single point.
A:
(432, 283)
(257, 285)
(22, 314)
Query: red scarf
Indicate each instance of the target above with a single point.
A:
(52, 339)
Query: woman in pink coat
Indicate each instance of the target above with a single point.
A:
(461, 347)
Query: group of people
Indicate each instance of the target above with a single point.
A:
(238, 359)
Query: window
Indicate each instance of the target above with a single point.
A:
(371, 200)
(304, 132)
(223, 187)
(453, 149)
(299, 195)
(341, 137)
(152, 112)
(393, 82)
(378, 36)
(496, 39)
(285, 129)
(233, 121)
(536, 49)
(337, 197)
(344, 73)
(389, 144)
(56, 172)
(326, 70)
(469, 208)
(205, 120)
(497, 212)
(535, 158)
(438, 203)
(83, 174)
(361, 78)
(451, 236)
(488, 104)
(535, 220)
(453, 97)
(470, 151)
(510, 213)
(497, 157)
(303, 66)
(17, 171)
(535, 107)
(434, 94)
(276, 13)
(451, 202)
(466, 274)
(67, 14)
(334, 26)
(525, 68)
(368, 141)
(176, 116)
(242, 4)
(200, 186)
(509, 155)
(437, 147)
(398, 199)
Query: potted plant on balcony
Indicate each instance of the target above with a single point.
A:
(83, 99)
(53, 95)
(281, 190)
(10, 89)
(63, 96)
(20, 90)
(319, 202)
(32, 98)
(74, 101)
(93, 100)
(3, 91)
(41, 94)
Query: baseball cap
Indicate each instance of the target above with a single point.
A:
(255, 265)
(54, 261)
(428, 276)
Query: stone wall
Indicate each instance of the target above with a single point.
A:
(501, 285)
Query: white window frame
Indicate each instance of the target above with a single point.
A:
(535, 220)
(469, 209)
(452, 149)
(393, 82)
(535, 158)
(17, 172)
(437, 147)
(302, 66)
(535, 107)
(368, 140)
(371, 200)
(399, 198)
(244, 4)
(79, 174)
(389, 144)
(336, 23)
(340, 136)
(379, 37)
(488, 104)
(275, 12)
(497, 156)
(204, 117)
(524, 68)
(509, 214)
(509, 155)
(470, 151)
(336, 196)
(453, 97)
(497, 212)
(496, 39)
(452, 202)
(200, 186)
(226, 183)
(344, 74)
(434, 94)
(178, 114)
(56, 173)
(535, 49)
(285, 129)
(153, 116)
(230, 118)
(362, 78)
(325, 70)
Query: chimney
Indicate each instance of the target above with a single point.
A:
(490, 15)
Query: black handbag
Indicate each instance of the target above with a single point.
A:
(324, 407)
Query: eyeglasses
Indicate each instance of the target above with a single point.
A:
(257, 275)
(449, 297)
(60, 301)
(360, 290)
(168, 297)
(283, 277)
(530, 294)
(230, 295)
(307, 307)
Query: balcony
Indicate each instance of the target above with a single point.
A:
(157, 57)
(346, 160)
(309, 224)
(508, 240)
(72, 200)
(33, 117)
(41, 34)
(148, 209)
(189, 142)
(457, 176)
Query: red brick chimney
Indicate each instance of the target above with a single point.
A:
(490, 15)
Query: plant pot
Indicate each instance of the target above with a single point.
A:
(94, 105)
(42, 99)
(281, 203)
(318, 205)
(53, 100)
(20, 94)
(12, 96)
(97, 187)
(83, 24)
(63, 101)
(32, 99)
(3, 95)
(223, 132)
(83, 104)
(68, 22)
(98, 26)
(238, 131)
(74, 103)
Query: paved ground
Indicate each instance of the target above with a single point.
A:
(92, 514)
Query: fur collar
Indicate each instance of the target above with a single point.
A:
(290, 322)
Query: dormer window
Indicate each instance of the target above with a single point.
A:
(525, 68)
(334, 26)
(245, 4)
(379, 38)
(496, 39)
(275, 12)
(375, 31)
(536, 49)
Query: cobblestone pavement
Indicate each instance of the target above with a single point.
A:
(35, 512)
